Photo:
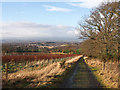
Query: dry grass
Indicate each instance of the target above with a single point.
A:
(109, 76)
(37, 77)
(73, 59)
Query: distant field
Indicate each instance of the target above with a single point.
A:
(58, 53)
(31, 57)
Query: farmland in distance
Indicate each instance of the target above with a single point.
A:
(18, 58)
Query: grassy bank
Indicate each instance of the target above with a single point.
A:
(108, 77)
(58, 80)
(51, 75)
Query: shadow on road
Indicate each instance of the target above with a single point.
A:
(81, 77)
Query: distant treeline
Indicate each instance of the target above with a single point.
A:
(10, 48)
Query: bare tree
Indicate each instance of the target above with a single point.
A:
(101, 28)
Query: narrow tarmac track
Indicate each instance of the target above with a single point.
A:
(81, 77)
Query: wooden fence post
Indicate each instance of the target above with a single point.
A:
(6, 69)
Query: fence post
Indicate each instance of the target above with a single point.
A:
(6, 69)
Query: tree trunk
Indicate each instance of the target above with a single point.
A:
(118, 65)
(118, 75)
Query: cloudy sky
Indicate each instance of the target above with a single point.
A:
(44, 18)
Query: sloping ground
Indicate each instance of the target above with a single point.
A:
(81, 77)
(36, 78)
(109, 76)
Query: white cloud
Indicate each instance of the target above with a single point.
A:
(73, 32)
(87, 3)
(29, 30)
(54, 8)
(78, 3)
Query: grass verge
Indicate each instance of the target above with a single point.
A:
(107, 77)
(95, 71)
(57, 81)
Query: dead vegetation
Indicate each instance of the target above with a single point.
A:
(38, 77)
(109, 76)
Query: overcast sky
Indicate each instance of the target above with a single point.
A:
(46, 19)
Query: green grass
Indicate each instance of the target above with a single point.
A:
(81, 78)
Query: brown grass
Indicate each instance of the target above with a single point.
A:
(109, 76)
(37, 77)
